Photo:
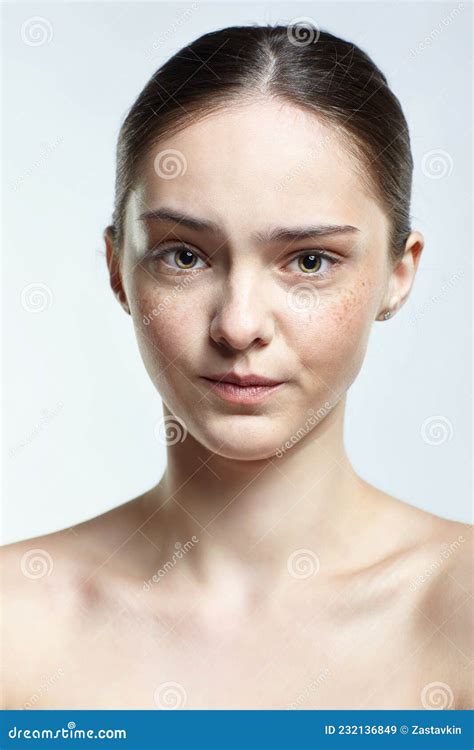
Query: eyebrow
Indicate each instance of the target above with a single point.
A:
(274, 234)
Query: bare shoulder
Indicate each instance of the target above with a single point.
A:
(33, 565)
(420, 532)
(442, 549)
(38, 575)
(68, 552)
(436, 565)
(49, 583)
(52, 563)
(445, 584)
(436, 550)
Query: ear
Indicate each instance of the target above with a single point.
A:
(113, 264)
(403, 275)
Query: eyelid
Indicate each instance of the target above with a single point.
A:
(169, 245)
(318, 251)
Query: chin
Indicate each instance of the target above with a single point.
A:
(241, 440)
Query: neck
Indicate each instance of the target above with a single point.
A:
(249, 517)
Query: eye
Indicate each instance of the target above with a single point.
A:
(314, 263)
(184, 258)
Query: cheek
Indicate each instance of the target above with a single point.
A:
(331, 341)
(166, 325)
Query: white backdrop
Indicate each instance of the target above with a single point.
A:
(79, 409)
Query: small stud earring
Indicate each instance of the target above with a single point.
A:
(386, 315)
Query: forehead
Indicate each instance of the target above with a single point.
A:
(252, 163)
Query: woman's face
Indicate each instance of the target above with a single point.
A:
(229, 296)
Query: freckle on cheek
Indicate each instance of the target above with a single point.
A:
(347, 308)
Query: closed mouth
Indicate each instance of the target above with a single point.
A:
(242, 394)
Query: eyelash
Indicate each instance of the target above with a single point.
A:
(158, 254)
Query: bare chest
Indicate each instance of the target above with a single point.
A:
(306, 659)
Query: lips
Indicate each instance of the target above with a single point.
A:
(243, 380)
(243, 389)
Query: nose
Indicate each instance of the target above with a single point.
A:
(242, 318)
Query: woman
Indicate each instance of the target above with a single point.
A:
(261, 226)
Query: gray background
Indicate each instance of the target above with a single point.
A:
(80, 411)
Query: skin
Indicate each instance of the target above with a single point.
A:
(298, 584)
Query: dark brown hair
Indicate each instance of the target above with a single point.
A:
(303, 66)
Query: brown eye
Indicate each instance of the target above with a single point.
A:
(184, 258)
(309, 263)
